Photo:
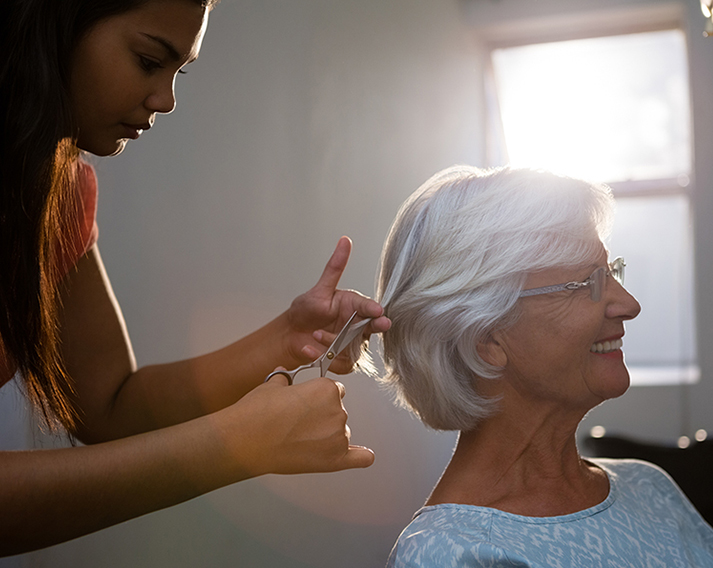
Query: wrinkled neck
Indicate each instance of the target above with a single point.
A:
(524, 464)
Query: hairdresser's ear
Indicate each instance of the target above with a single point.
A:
(491, 350)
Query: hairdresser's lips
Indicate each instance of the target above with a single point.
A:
(133, 131)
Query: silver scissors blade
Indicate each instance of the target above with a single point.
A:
(348, 333)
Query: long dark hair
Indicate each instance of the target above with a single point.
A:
(38, 168)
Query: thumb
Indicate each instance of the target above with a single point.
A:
(357, 457)
(336, 264)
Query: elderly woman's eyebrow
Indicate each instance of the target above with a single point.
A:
(173, 53)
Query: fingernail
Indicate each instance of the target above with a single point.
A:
(310, 351)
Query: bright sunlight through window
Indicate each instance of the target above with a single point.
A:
(616, 110)
(611, 108)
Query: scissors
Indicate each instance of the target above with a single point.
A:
(344, 338)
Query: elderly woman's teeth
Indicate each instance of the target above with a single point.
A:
(606, 346)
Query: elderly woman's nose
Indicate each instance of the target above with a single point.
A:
(621, 303)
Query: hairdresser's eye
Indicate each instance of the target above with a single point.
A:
(149, 65)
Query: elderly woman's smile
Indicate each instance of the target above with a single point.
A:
(566, 343)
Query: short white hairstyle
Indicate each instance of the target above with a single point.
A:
(452, 268)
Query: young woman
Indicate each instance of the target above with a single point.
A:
(89, 75)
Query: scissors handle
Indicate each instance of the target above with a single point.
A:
(347, 334)
(289, 375)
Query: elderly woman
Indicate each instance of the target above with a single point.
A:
(508, 319)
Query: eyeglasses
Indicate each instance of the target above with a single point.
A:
(595, 282)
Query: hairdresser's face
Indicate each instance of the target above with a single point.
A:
(124, 71)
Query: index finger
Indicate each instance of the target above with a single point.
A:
(375, 324)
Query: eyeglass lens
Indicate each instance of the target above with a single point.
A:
(617, 270)
(598, 278)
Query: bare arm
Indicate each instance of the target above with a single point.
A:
(167, 433)
(117, 399)
(50, 496)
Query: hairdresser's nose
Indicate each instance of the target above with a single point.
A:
(162, 98)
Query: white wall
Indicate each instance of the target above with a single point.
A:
(304, 120)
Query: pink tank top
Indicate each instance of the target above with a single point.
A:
(83, 240)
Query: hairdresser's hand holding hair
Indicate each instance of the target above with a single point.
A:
(86, 75)
(507, 325)
(325, 308)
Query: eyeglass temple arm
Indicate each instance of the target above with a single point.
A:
(555, 288)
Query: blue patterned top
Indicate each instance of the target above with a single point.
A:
(646, 521)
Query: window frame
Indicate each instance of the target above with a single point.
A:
(573, 27)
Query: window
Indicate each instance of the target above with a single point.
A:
(615, 109)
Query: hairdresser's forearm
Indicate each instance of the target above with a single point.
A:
(50, 496)
(157, 396)
(115, 399)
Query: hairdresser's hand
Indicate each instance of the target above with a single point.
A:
(297, 429)
(316, 316)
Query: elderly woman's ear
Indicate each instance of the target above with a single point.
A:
(491, 350)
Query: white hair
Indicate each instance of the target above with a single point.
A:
(452, 268)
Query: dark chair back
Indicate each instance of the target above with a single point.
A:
(691, 467)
